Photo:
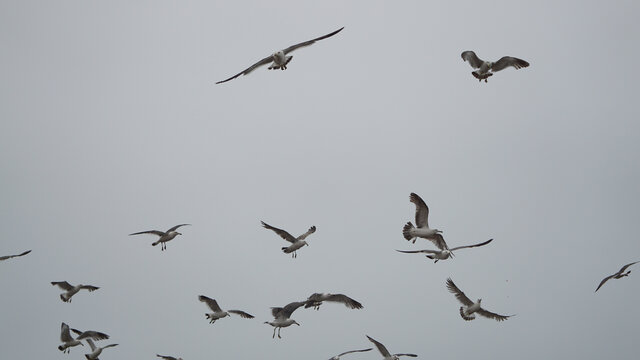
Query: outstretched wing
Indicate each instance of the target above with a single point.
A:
(264, 61)
(154, 232)
(411, 355)
(418, 251)
(353, 351)
(176, 227)
(309, 232)
(626, 266)
(213, 305)
(62, 285)
(422, 210)
(472, 58)
(65, 336)
(490, 315)
(91, 344)
(507, 61)
(383, 350)
(95, 335)
(347, 301)
(283, 234)
(89, 287)
(309, 42)
(438, 241)
(286, 311)
(12, 256)
(241, 313)
(458, 293)
(470, 246)
(604, 281)
(166, 357)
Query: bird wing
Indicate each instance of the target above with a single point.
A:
(383, 350)
(241, 313)
(289, 309)
(347, 301)
(412, 355)
(12, 256)
(110, 345)
(507, 61)
(91, 344)
(458, 293)
(62, 285)
(438, 240)
(166, 357)
(604, 281)
(418, 251)
(176, 227)
(213, 305)
(309, 42)
(352, 351)
(283, 234)
(422, 210)
(472, 58)
(154, 232)
(89, 287)
(65, 336)
(470, 246)
(626, 266)
(490, 315)
(309, 232)
(264, 61)
(95, 335)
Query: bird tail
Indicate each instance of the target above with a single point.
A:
(465, 316)
(64, 298)
(406, 231)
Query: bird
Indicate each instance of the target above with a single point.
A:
(168, 357)
(385, 353)
(487, 68)
(96, 350)
(279, 59)
(282, 314)
(467, 311)
(164, 236)
(620, 274)
(337, 357)
(218, 313)
(316, 299)
(68, 341)
(443, 254)
(72, 290)
(296, 243)
(422, 224)
(3, 258)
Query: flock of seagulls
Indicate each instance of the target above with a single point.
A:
(282, 315)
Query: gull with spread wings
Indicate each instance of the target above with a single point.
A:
(337, 357)
(71, 290)
(467, 311)
(7, 257)
(168, 357)
(282, 316)
(443, 253)
(385, 353)
(422, 229)
(96, 350)
(296, 243)
(620, 274)
(279, 59)
(218, 313)
(164, 236)
(68, 341)
(316, 299)
(487, 68)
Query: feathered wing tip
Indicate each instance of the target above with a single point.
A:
(406, 231)
(465, 316)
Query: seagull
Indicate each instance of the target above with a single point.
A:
(95, 350)
(68, 341)
(282, 315)
(337, 357)
(296, 243)
(315, 300)
(218, 313)
(164, 236)
(445, 253)
(470, 307)
(487, 68)
(279, 60)
(385, 353)
(3, 258)
(72, 290)
(422, 222)
(168, 357)
(618, 275)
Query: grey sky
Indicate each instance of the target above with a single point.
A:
(112, 124)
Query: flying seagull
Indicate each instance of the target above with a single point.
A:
(68, 341)
(218, 313)
(168, 357)
(385, 353)
(279, 59)
(164, 235)
(337, 357)
(95, 350)
(296, 243)
(3, 258)
(471, 307)
(618, 275)
(71, 290)
(315, 300)
(445, 253)
(422, 225)
(487, 68)
(282, 315)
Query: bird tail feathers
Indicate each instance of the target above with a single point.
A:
(465, 316)
(406, 231)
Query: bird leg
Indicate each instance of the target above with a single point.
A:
(279, 337)
(274, 332)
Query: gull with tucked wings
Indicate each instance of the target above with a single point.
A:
(7, 257)
(279, 59)
(487, 68)
(296, 243)
(385, 353)
(71, 290)
(164, 236)
(282, 316)
(316, 299)
(337, 357)
(422, 229)
(443, 253)
(218, 313)
(467, 311)
(620, 274)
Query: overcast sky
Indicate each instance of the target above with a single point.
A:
(111, 123)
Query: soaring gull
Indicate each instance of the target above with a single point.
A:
(68, 341)
(467, 311)
(385, 353)
(296, 243)
(316, 299)
(164, 235)
(443, 253)
(71, 290)
(282, 314)
(337, 357)
(96, 350)
(218, 313)
(422, 229)
(3, 258)
(487, 68)
(618, 275)
(279, 59)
